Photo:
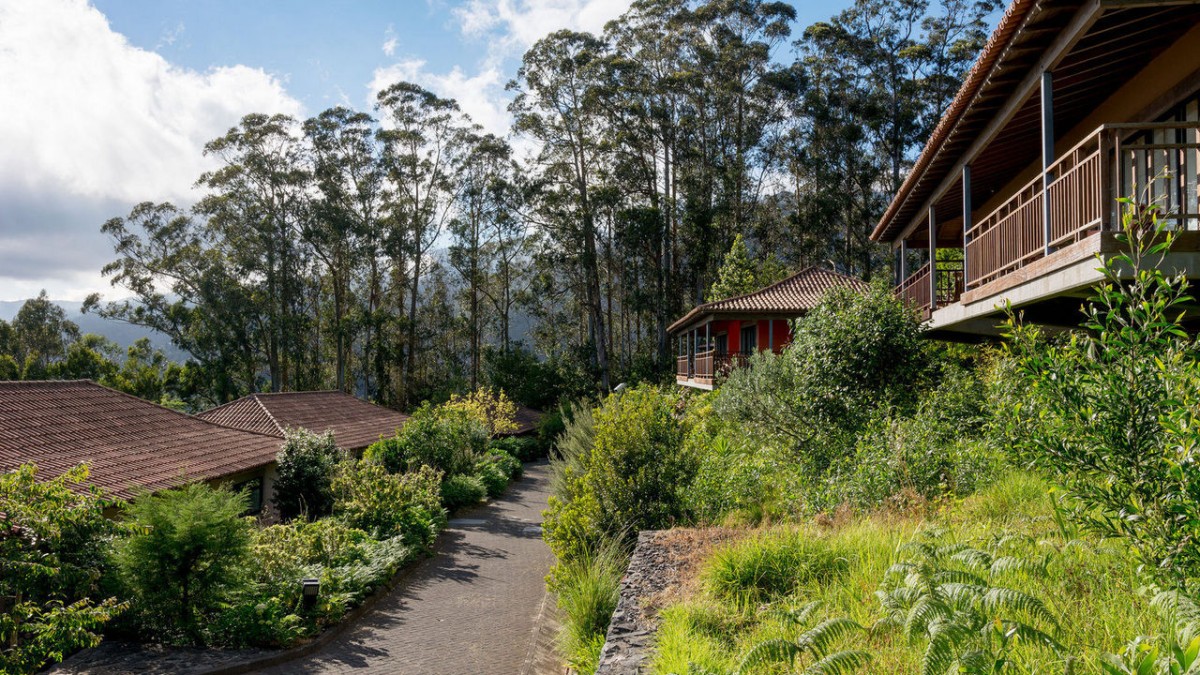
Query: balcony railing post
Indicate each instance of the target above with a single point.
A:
(1047, 154)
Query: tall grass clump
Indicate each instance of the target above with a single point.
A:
(771, 566)
(587, 589)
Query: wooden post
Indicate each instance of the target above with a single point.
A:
(1047, 153)
(932, 259)
(903, 261)
(966, 217)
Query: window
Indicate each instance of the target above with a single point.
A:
(750, 339)
(722, 344)
(254, 487)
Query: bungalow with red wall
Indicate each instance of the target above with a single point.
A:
(718, 336)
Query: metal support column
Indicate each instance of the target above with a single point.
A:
(932, 259)
(966, 218)
(771, 335)
(1047, 153)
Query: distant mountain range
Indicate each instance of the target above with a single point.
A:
(123, 334)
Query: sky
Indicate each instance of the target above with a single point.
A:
(107, 103)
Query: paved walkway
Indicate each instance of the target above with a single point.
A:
(479, 605)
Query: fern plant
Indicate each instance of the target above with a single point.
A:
(811, 652)
(1176, 652)
(944, 593)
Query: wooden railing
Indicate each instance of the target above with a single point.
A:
(1153, 163)
(708, 365)
(916, 289)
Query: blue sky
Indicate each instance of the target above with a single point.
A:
(118, 97)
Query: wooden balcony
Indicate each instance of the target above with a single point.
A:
(706, 368)
(1152, 163)
(917, 289)
(1074, 198)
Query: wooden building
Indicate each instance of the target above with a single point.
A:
(1072, 104)
(716, 337)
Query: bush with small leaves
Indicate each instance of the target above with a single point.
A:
(54, 546)
(187, 556)
(450, 442)
(368, 497)
(304, 473)
(462, 491)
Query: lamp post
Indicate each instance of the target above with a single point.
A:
(309, 590)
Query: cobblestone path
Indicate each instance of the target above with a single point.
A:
(478, 606)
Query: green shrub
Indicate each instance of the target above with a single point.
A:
(937, 451)
(186, 557)
(524, 448)
(587, 589)
(1113, 412)
(854, 354)
(632, 478)
(450, 443)
(305, 467)
(492, 476)
(462, 490)
(550, 427)
(54, 542)
(509, 465)
(384, 504)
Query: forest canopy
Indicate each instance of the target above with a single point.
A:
(403, 252)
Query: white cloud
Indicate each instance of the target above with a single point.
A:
(90, 124)
(514, 25)
(390, 44)
(481, 96)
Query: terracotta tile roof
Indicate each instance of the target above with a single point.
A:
(991, 53)
(528, 420)
(793, 296)
(355, 423)
(130, 444)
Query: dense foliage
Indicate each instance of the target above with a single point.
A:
(304, 475)
(408, 253)
(631, 477)
(53, 547)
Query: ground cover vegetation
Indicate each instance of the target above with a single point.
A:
(406, 254)
(189, 567)
(909, 506)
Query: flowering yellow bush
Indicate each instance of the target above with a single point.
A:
(494, 409)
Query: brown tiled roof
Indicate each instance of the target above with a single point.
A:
(793, 296)
(130, 444)
(995, 48)
(355, 423)
(528, 420)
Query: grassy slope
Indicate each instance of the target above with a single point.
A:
(1090, 588)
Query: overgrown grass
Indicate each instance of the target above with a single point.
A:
(1091, 587)
(587, 588)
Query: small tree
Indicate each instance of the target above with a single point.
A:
(305, 467)
(741, 274)
(1112, 412)
(54, 543)
(186, 557)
